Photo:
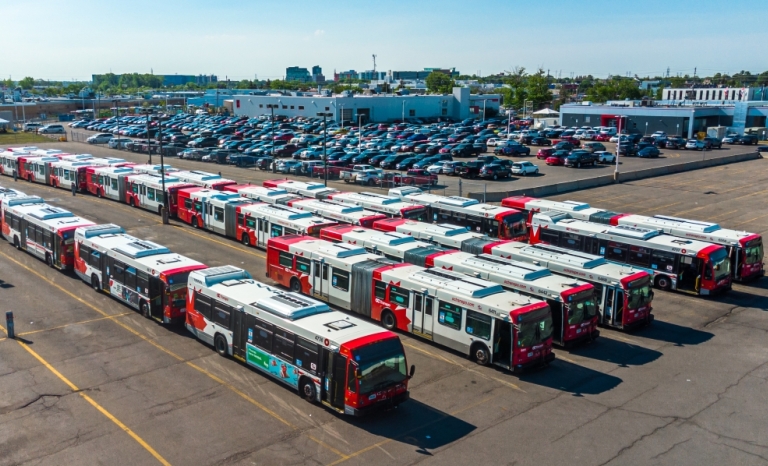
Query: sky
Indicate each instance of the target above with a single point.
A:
(247, 39)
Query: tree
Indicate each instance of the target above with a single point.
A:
(27, 83)
(762, 79)
(537, 89)
(615, 88)
(439, 83)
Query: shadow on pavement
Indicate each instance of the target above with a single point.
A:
(568, 377)
(673, 333)
(618, 352)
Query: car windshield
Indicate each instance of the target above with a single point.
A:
(753, 254)
(582, 310)
(535, 332)
(721, 264)
(380, 365)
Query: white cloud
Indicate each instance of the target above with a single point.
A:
(319, 32)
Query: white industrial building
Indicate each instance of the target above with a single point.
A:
(371, 108)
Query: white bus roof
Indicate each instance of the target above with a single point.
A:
(107, 161)
(71, 163)
(456, 204)
(146, 178)
(53, 217)
(702, 231)
(336, 252)
(442, 233)
(77, 157)
(268, 195)
(309, 189)
(47, 152)
(197, 176)
(154, 169)
(384, 241)
(8, 193)
(108, 170)
(336, 211)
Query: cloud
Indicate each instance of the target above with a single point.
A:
(319, 33)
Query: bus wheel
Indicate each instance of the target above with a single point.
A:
(220, 343)
(194, 222)
(246, 240)
(145, 309)
(132, 203)
(100, 194)
(388, 320)
(16, 243)
(307, 389)
(49, 260)
(663, 283)
(295, 285)
(480, 353)
(95, 283)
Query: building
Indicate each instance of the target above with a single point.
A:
(294, 73)
(715, 95)
(370, 108)
(345, 75)
(317, 74)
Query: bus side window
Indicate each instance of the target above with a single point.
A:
(262, 335)
(222, 314)
(283, 345)
(663, 261)
(85, 253)
(380, 290)
(549, 237)
(286, 259)
(307, 355)
(203, 305)
(616, 252)
(352, 378)
(119, 272)
(142, 282)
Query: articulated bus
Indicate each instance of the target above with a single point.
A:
(107, 181)
(204, 179)
(146, 191)
(111, 162)
(494, 221)
(76, 157)
(144, 275)
(389, 205)
(42, 230)
(445, 235)
(390, 244)
(350, 214)
(744, 249)
(64, 173)
(32, 167)
(344, 363)
(212, 210)
(574, 310)
(154, 169)
(9, 159)
(8, 193)
(310, 189)
(623, 293)
(675, 263)
(262, 194)
(467, 314)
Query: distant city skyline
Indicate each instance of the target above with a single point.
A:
(262, 40)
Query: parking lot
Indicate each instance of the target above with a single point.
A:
(90, 378)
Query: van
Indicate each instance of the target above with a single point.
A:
(52, 129)
(610, 131)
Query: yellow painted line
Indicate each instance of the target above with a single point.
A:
(75, 323)
(325, 445)
(93, 403)
(750, 220)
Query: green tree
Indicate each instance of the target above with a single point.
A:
(27, 83)
(537, 89)
(439, 83)
(762, 79)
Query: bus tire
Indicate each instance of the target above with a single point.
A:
(160, 210)
(16, 243)
(295, 285)
(194, 222)
(95, 283)
(245, 239)
(388, 320)
(132, 203)
(144, 307)
(220, 345)
(49, 260)
(307, 389)
(480, 354)
(100, 194)
(663, 282)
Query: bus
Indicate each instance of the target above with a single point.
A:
(744, 249)
(473, 316)
(675, 263)
(388, 205)
(211, 210)
(310, 189)
(494, 221)
(441, 234)
(8, 193)
(9, 159)
(107, 181)
(42, 230)
(341, 362)
(204, 179)
(154, 169)
(262, 194)
(63, 174)
(38, 170)
(390, 244)
(629, 288)
(573, 305)
(146, 192)
(256, 223)
(143, 275)
(76, 157)
(111, 162)
(353, 215)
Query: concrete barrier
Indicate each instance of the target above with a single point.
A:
(548, 190)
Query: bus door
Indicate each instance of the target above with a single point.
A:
(689, 274)
(156, 297)
(591, 245)
(262, 233)
(57, 245)
(502, 343)
(422, 314)
(335, 377)
(614, 306)
(242, 325)
(559, 320)
(320, 283)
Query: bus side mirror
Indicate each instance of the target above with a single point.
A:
(412, 371)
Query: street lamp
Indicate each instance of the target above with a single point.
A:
(359, 131)
(117, 118)
(342, 115)
(162, 168)
(484, 101)
(325, 140)
(646, 128)
(618, 144)
(403, 120)
(146, 112)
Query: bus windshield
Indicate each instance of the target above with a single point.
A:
(535, 332)
(721, 264)
(753, 253)
(380, 364)
(640, 295)
(419, 214)
(582, 310)
(512, 226)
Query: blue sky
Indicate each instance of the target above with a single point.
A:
(244, 39)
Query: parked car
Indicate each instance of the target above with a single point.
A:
(102, 138)
(593, 146)
(604, 156)
(564, 145)
(469, 169)
(512, 150)
(540, 141)
(557, 158)
(487, 158)
(627, 149)
(495, 171)
(649, 152)
(465, 150)
(524, 168)
(748, 139)
(580, 158)
(208, 141)
(714, 142)
(437, 167)
(118, 143)
(604, 138)
(391, 161)
(52, 129)
(32, 127)
(695, 144)
(542, 154)
(450, 167)
(676, 142)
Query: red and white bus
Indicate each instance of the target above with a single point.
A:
(64, 173)
(146, 192)
(8, 193)
(154, 169)
(473, 316)
(38, 169)
(390, 244)
(675, 263)
(211, 210)
(257, 223)
(744, 249)
(492, 220)
(142, 274)
(573, 305)
(445, 235)
(623, 293)
(310, 189)
(350, 214)
(107, 181)
(49, 153)
(389, 205)
(111, 162)
(328, 357)
(204, 179)
(9, 159)
(262, 194)
(42, 230)
(76, 157)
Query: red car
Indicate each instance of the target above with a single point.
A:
(284, 137)
(572, 140)
(603, 137)
(557, 157)
(542, 154)
(414, 176)
(447, 148)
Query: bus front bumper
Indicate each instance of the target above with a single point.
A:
(534, 363)
(380, 406)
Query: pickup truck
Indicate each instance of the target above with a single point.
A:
(350, 176)
(414, 177)
(470, 169)
(367, 177)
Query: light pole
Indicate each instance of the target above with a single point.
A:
(525, 107)
(646, 128)
(359, 131)
(117, 113)
(162, 168)
(342, 115)
(325, 140)
(484, 101)
(618, 144)
(403, 120)
(677, 129)
(149, 146)
(272, 137)
(509, 121)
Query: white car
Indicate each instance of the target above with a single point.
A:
(437, 167)
(514, 135)
(524, 168)
(118, 143)
(659, 134)
(614, 138)
(52, 129)
(603, 156)
(102, 138)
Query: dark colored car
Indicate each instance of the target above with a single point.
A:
(513, 150)
(675, 142)
(627, 149)
(564, 145)
(392, 160)
(541, 142)
(203, 142)
(495, 171)
(406, 164)
(747, 139)
(465, 150)
(649, 152)
(580, 158)
(377, 159)
(286, 150)
(470, 169)
(714, 142)
(542, 154)
(488, 158)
